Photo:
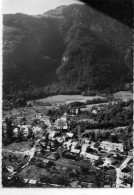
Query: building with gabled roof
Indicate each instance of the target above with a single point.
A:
(111, 146)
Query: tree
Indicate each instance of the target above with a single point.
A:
(45, 178)
(99, 162)
(20, 102)
(54, 178)
(9, 128)
(43, 125)
(62, 179)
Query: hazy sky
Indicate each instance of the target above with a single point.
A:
(32, 6)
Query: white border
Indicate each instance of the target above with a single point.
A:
(46, 191)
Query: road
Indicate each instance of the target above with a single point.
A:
(29, 153)
(118, 172)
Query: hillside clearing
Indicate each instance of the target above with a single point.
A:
(62, 99)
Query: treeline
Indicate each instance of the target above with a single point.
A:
(15, 97)
(34, 92)
(120, 114)
(58, 88)
(116, 136)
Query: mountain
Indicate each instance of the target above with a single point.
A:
(32, 50)
(72, 45)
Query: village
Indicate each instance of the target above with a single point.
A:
(70, 145)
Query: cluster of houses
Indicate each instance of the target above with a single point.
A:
(59, 132)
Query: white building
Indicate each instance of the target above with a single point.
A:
(52, 134)
(16, 132)
(111, 146)
(25, 130)
(37, 129)
(61, 123)
(83, 149)
(94, 112)
(91, 156)
(70, 135)
(107, 162)
(75, 148)
(123, 174)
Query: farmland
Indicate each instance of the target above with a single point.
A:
(123, 95)
(61, 99)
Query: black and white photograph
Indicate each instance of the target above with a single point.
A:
(67, 94)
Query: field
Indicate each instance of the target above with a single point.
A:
(92, 121)
(113, 130)
(20, 147)
(62, 99)
(123, 95)
(32, 172)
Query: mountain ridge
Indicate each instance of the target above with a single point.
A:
(34, 49)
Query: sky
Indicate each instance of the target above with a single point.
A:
(32, 7)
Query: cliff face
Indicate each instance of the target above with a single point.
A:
(74, 44)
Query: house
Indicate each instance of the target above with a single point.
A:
(46, 161)
(87, 154)
(90, 185)
(124, 174)
(32, 182)
(113, 185)
(16, 132)
(85, 140)
(65, 115)
(65, 126)
(130, 152)
(107, 186)
(59, 139)
(84, 184)
(20, 119)
(94, 112)
(26, 130)
(69, 135)
(91, 156)
(52, 134)
(39, 115)
(25, 181)
(83, 149)
(75, 148)
(36, 129)
(74, 111)
(74, 184)
(107, 162)
(111, 146)
(10, 169)
(38, 149)
(43, 141)
(61, 123)
(3, 119)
